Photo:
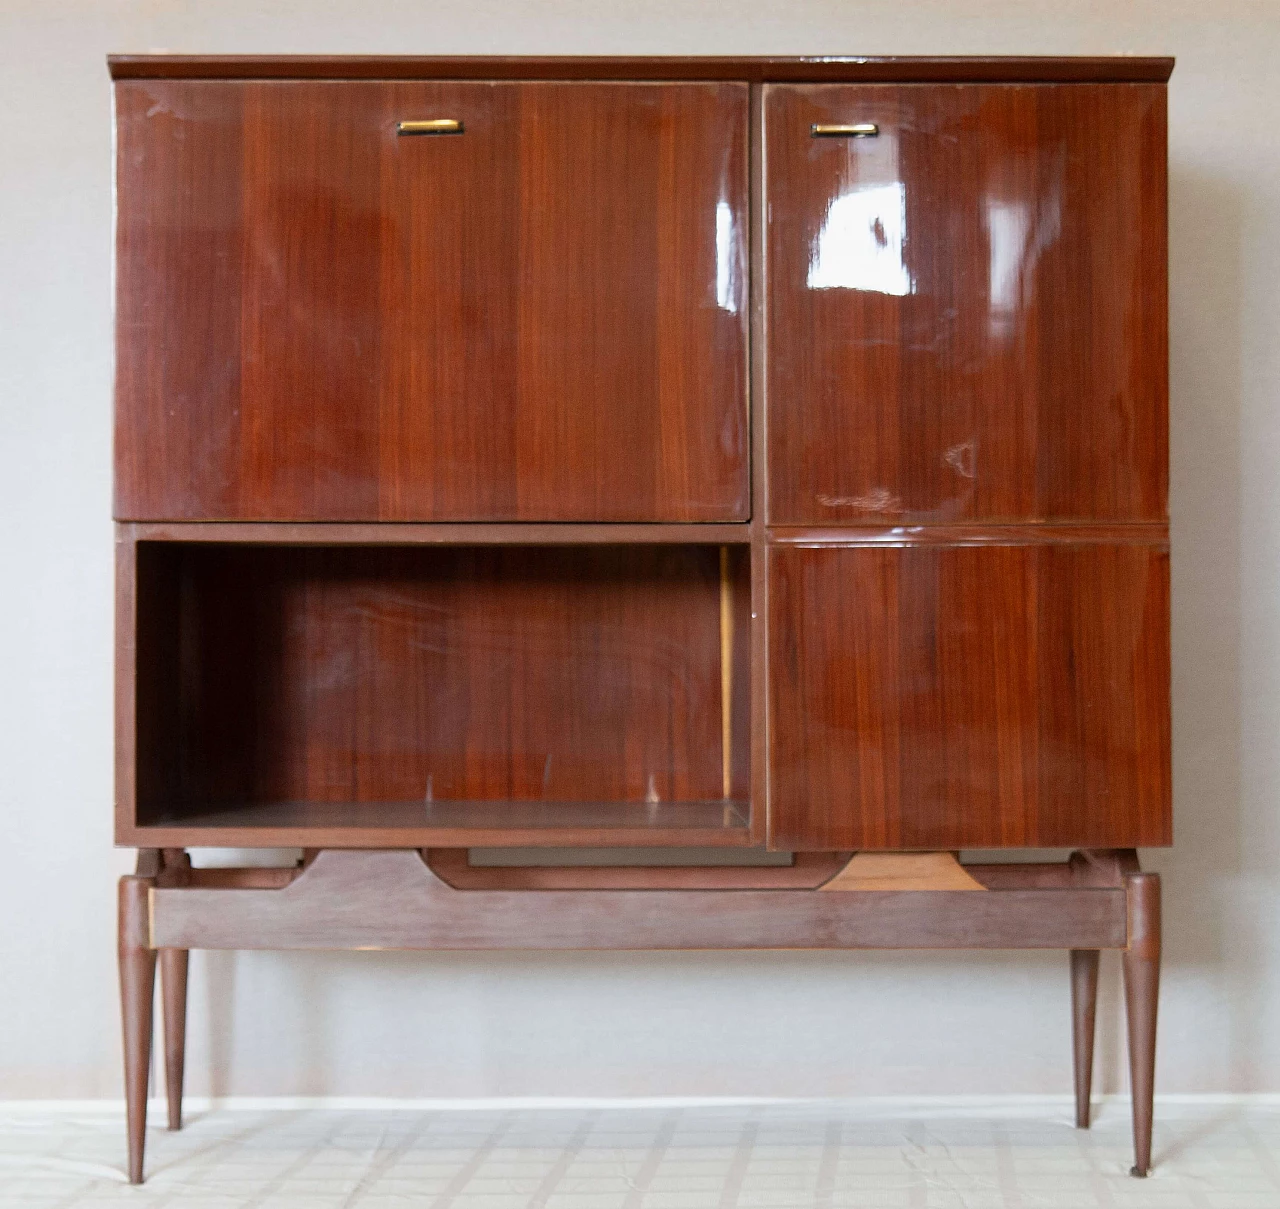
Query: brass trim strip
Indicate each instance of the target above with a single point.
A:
(726, 672)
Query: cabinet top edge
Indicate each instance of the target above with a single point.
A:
(1097, 69)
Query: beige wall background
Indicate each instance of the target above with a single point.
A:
(653, 1024)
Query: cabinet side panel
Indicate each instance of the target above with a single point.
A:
(969, 697)
(125, 682)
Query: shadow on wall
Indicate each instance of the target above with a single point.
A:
(1206, 388)
(1206, 240)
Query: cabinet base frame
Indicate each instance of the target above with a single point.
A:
(393, 899)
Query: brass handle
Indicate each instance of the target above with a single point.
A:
(859, 130)
(430, 126)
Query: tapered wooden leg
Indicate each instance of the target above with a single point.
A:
(1084, 1010)
(1141, 992)
(173, 992)
(137, 992)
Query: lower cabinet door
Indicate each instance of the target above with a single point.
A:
(945, 696)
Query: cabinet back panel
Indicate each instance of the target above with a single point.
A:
(540, 318)
(967, 311)
(969, 697)
(398, 675)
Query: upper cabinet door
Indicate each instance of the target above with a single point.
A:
(538, 317)
(966, 303)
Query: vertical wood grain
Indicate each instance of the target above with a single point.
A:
(543, 318)
(969, 697)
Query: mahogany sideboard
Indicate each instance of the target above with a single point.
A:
(757, 454)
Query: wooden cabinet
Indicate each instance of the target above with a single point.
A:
(753, 453)
(756, 454)
(539, 317)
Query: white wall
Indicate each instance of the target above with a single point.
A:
(799, 1024)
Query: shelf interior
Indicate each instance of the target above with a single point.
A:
(601, 688)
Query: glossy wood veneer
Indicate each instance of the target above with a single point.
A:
(940, 697)
(966, 312)
(542, 318)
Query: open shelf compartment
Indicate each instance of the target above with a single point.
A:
(441, 695)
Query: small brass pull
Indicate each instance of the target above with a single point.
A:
(430, 126)
(859, 130)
